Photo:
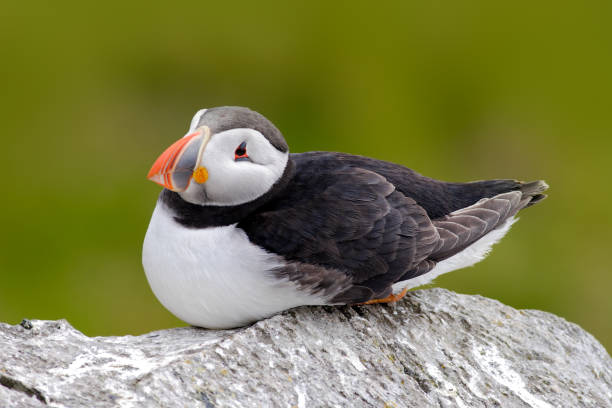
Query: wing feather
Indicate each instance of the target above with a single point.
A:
(463, 227)
(350, 220)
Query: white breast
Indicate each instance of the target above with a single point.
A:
(214, 277)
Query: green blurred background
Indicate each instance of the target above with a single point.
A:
(92, 94)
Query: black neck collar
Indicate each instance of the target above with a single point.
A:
(203, 216)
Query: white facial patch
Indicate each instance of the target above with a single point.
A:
(232, 182)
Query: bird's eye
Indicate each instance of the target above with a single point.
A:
(241, 152)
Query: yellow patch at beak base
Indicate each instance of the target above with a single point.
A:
(200, 175)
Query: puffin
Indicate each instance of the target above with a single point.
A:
(243, 229)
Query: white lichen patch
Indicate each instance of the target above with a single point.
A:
(352, 357)
(301, 397)
(445, 387)
(498, 368)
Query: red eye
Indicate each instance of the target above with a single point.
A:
(241, 152)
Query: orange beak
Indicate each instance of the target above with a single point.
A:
(176, 166)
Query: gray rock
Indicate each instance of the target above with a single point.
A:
(435, 348)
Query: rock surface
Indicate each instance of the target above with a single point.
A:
(435, 348)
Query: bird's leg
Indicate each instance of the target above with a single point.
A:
(389, 299)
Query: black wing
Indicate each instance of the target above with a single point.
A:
(438, 198)
(349, 220)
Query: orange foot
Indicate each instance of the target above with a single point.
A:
(391, 298)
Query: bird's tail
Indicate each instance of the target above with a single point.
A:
(533, 190)
(465, 226)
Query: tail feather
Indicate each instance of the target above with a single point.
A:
(533, 190)
(463, 227)
(485, 221)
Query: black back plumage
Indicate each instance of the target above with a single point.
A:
(437, 197)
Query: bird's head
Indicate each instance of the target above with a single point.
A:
(229, 156)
